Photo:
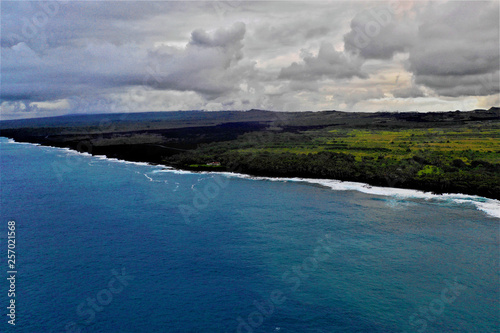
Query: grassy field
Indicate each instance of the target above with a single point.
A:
(464, 159)
(467, 144)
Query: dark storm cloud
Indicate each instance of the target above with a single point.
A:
(62, 22)
(208, 65)
(214, 55)
(457, 49)
(453, 47)
(379, 33)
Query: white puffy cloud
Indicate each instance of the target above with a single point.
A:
(327, 64)
(211, 63)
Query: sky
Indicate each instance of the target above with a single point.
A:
(66, 57)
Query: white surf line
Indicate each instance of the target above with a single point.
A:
(489, 206)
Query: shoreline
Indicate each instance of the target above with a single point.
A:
(413, 152)
(489, 206)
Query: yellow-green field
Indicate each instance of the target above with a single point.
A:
(480, 143)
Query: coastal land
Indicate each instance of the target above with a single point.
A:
(440, 152)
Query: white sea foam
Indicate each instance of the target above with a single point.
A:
(163, 169)
(134, 163)
(22, 143)
(489, 206)
(179, 172)
(74, 152)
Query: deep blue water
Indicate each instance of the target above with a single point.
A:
(332, 261)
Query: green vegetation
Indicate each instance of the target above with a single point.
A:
(456, 152)
(436, 159)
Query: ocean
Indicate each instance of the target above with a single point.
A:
(110, 246)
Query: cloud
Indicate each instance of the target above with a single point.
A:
(210, 63)
(207, 65)
(327, 64)
(355, 96)
(59, 56)
(465, 85)
(65, 71)
(411, 91)
(288, 33)
(220, 38)
(379, 34)
(452, 47)
(457, 49)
